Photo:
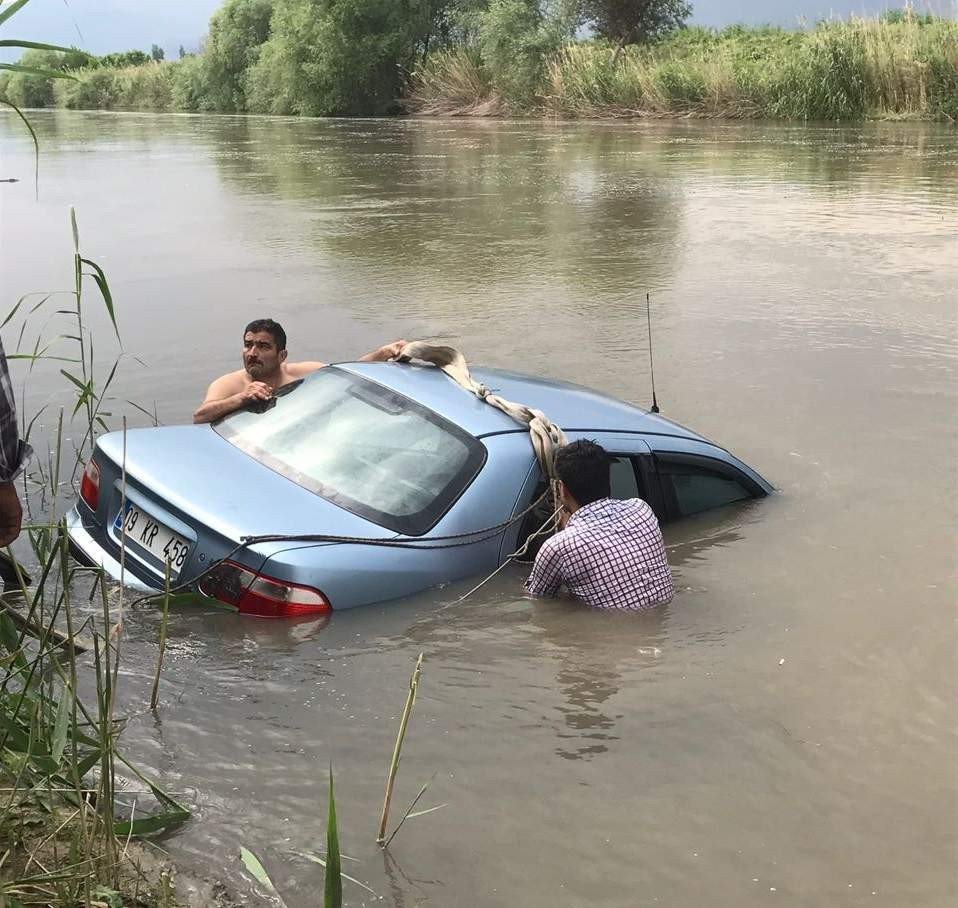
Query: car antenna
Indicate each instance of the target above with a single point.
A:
(648, 316)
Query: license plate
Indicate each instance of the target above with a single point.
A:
(148, 533)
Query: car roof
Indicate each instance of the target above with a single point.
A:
(572, 407)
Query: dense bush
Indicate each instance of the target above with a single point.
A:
(514, 41)
(148, 87)
(127, 58)
(190, 88)
(334, 57)
(28, 90)
(238, 31)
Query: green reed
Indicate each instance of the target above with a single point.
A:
(62, 840)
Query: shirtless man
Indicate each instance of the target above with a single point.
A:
(265, 370)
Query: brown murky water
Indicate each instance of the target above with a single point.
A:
(804, 286)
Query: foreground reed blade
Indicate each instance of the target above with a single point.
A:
(394, 765)
(255, 867)
(333, 888)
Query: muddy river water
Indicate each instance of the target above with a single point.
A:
(784, 731)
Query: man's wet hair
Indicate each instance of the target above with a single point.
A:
(584, 468)
(274, 329)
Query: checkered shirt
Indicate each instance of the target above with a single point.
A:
(610, 555)
(13, 452)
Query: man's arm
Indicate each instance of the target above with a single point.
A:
(546, 577)
(301, 370)
(13, 454)
(384, 353)
(224, 397)
(380, 355)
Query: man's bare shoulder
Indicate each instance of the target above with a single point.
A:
(225, 385)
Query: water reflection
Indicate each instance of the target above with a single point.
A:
(484, 204)
(403, 889)
(596, 654)
(694, 538)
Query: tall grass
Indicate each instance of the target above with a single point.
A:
(850, 70)
(454, 81)
(64, 839)
(148, 87)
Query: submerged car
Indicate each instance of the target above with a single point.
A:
(394, 454)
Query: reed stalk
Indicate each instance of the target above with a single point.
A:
(155, 696)
(397, 750)
(50, 741)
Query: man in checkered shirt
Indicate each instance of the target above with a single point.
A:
(13, 454)
(610, 553)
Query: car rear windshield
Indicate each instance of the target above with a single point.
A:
(362, 447)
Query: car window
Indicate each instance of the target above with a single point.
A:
(363, 447)
(622, 478)
(695, 487)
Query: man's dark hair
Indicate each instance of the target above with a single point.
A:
(275, 329)
(584, 468)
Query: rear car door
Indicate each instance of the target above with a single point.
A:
(631, 474)
(693, 477)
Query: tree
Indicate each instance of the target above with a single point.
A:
(157, 53)
(28, 90)
(125, 58)
(238, 30)
(336, 57)
(35, 89)
(515, 37)
(182, 52)
(14, 73)
(632, 21)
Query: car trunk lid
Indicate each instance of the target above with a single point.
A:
(220, 490)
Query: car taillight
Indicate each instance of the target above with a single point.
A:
(90, 485)
(257, 594)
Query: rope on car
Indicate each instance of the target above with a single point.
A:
(545, 435)
(445, 542)
(549, 525)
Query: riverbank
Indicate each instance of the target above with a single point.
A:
(39, 863)
(847, 71)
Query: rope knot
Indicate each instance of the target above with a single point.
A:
(482, 392)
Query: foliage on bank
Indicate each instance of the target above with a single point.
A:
(837, 71)
(500, 57)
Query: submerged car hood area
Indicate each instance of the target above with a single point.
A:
(197, 472)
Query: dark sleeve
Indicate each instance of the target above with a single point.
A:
(13, 452)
